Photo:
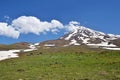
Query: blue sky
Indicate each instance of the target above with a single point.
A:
(101, 15)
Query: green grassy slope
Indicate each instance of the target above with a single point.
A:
(67, 64)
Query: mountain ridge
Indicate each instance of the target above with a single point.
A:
(81, 35)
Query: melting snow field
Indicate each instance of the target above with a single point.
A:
(8, 54)
(11, 53)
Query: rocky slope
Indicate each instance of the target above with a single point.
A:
(20, 45)
(85, 36)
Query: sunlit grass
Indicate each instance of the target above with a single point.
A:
(66, 65)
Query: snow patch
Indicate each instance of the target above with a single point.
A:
(112, 36)
(49, 45)
(8, 54)
(74, 42)
(27, 50)
(65, 45)
(83, 34)
(70, 35)
(86, 40)
(112, 48)
(36, 44)
(12, 53)
(103, 44)
(31, 46)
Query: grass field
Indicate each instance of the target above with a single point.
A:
(63, 65)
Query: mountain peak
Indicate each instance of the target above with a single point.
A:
(84, 35)
(84, 32)
(81, 35)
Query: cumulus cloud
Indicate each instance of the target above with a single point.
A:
(7, 30)
(31, 24)
(73, 25)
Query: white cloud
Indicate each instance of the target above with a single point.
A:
(7, 30)
(73, 25)
(30, 24)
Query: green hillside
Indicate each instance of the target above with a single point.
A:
(71, 63)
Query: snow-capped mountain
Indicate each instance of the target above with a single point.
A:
(84, 36)
(80, 35)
